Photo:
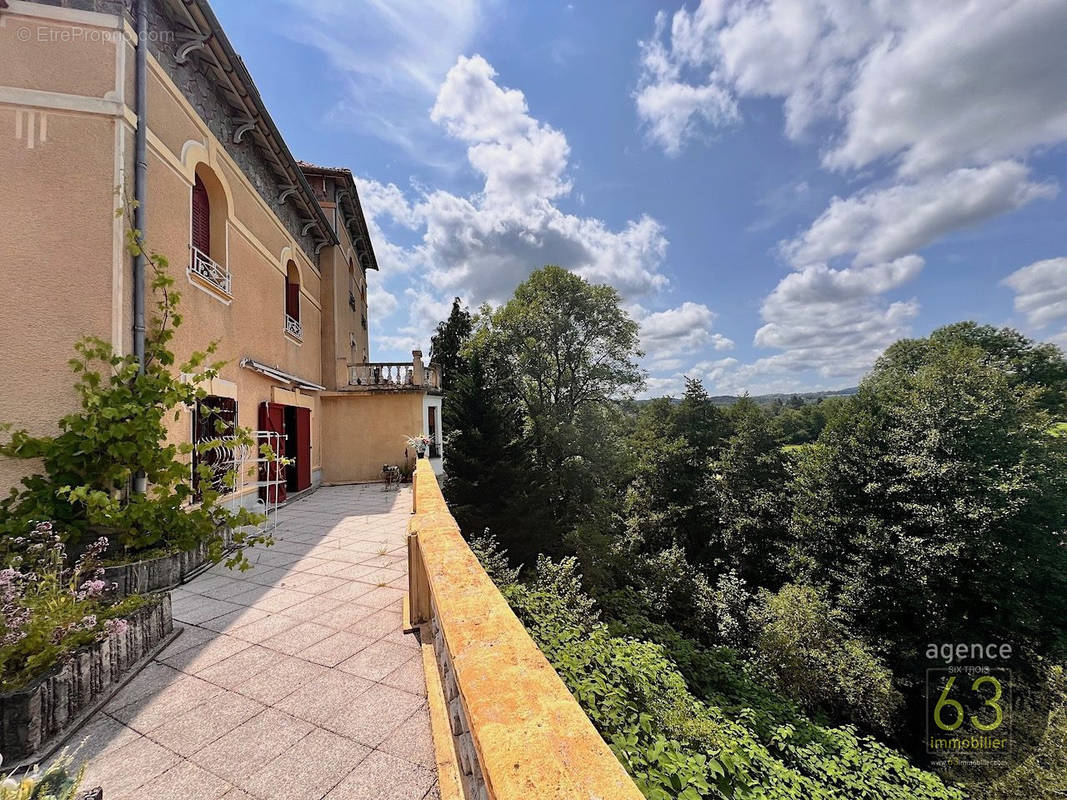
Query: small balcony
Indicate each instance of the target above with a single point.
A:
(204, 269)
(293, 328)
(395, 376)
(384, 374)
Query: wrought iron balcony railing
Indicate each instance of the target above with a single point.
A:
(202, 266)
(293, 327)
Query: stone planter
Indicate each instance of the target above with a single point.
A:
(35, 719)
(158, 574)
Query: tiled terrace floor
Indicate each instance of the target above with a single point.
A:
(292, 680)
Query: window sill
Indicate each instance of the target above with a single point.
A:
(206, 286)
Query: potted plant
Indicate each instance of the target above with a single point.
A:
(420, 442)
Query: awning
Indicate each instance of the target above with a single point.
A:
(278, 375)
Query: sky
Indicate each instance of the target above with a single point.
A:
(779, 189)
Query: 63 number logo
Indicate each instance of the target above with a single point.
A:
(968, 711)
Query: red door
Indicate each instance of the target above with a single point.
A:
(272, 420)
(303, 448)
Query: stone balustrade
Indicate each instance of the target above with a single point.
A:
(517, 731)
(395, 375)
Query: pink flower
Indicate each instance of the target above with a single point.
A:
(115, 627)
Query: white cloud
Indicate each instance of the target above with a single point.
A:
(522, 160)
(833, 322)
(672, 108)
(387, 201)
(952, 96)
(929, 84)
(480, 246)
(380, 299)
(956, 83)
(711, 373)
(675, 331)
(889, 223)
(1041, 295)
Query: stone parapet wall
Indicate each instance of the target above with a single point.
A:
(470, 771)
(518, 732)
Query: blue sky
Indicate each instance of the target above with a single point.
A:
(778, 188)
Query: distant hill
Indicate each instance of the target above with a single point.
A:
(769, 399)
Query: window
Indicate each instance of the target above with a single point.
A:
(292, 301)
(431, 431)
(214, 419)
(207, 233)
(201, 218)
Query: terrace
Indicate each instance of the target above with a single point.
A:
(293, 679)
(365, 656)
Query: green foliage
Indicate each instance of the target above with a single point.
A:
(799, 424)
(1043, 774)
(678, 746)
(929, 507)
(120, 433)
(745, 492)
(448, 342)
(494, 559)
(807, 649)
(672, 447)
(58, 781)
(487, 485)
(568, 351)
(935, 508)
(1024, 363)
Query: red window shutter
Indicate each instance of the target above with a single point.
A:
(303, 448)
(292, 299)
(201, 218)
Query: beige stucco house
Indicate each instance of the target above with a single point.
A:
(271, 253)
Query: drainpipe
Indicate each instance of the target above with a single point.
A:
(140, 168)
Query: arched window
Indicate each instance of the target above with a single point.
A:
(292, 300)
(201, 218)
(207, 231)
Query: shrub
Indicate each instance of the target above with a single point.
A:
(118, 434)
(493, 559)
(805, 646)
(677, 746)
(1043, 774)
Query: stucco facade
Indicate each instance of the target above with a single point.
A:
(282, 290)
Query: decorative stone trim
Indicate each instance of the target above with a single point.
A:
(36, 719)
(517, 731)
(470, 771)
